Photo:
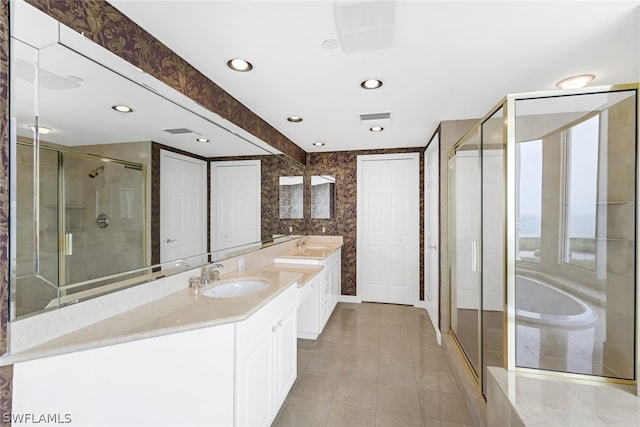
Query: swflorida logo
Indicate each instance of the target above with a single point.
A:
(31, 418)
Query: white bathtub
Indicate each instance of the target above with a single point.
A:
(543, 304)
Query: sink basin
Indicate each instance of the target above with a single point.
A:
(235, 289)
(316, 247)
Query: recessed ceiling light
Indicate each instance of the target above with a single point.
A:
(376, 129)
(318, 144)
(575, 82)
(202, 139)
(238, 64)
(371, 84)
(122, 109)
(294, 119)
(41, 129)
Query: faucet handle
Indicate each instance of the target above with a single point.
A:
(194, 282)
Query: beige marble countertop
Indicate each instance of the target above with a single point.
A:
(186, 310)
(312, 250)
(178, 312)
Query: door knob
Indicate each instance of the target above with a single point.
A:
(171, 240)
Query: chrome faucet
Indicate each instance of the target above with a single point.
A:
(182, 263)
(302, 242)
(209, 272)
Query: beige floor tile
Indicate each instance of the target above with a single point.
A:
(358, 392)
(396, 355)
(396, 375)
(386, 419)
(363, 353)
(315, 387)
(359, 370)
(304, 356)
(349, 416)
(437, 381)
(398, 400)
(320, 364)
(307, 344)
(444, 406)
(443, 423)
(303, 412)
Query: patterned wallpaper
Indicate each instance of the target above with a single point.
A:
(343, 165)
(105, 25)
(6, 373)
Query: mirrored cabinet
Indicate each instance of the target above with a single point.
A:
(323, 196)
(291, 197)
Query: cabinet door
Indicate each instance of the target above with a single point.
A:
(308, 312)
(255, 385)
(286, 353)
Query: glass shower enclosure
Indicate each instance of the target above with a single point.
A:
(542, 205)
(88, 204)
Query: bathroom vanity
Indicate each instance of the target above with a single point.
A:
(185, 358)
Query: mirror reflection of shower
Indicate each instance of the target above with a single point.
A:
(91, 203)
(95, 172)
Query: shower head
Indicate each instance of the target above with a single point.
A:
(96, 172)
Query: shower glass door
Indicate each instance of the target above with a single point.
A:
(102, 207)
(465, 234)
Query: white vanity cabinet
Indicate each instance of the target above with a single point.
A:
(323, 295)
(177, 379)
(266, 360)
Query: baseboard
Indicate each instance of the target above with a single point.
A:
(307, 335)
(423, 304)
(354, 299)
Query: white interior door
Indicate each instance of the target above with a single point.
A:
(236, 208)
(183, 208)
(388, 228)
(432, 233)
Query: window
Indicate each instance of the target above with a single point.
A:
(582, 146)
(529, 200)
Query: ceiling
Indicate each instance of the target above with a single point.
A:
(446, 60)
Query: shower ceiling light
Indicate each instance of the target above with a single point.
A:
(202, 139)
(122, 109)
(318, 144)
(239, 64)
(294, 119)
(41, 129)
(575, 82)
(371, 84)
(376, 129)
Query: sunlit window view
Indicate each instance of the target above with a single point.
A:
(529, 199)
(581, 193)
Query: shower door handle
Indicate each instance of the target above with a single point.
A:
(474, 256)
(171, 240)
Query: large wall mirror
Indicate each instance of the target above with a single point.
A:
(99, 193)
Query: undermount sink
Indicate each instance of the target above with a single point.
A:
(237, 288)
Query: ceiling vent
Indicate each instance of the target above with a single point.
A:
(178, 131)
(376, 119)
(363, 26)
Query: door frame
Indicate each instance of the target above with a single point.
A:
(433, 308)
(162, 233)
(415, 156)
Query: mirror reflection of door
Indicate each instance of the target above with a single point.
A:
(235, 203)
(183, 208)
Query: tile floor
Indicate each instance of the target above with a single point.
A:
(374, 365)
